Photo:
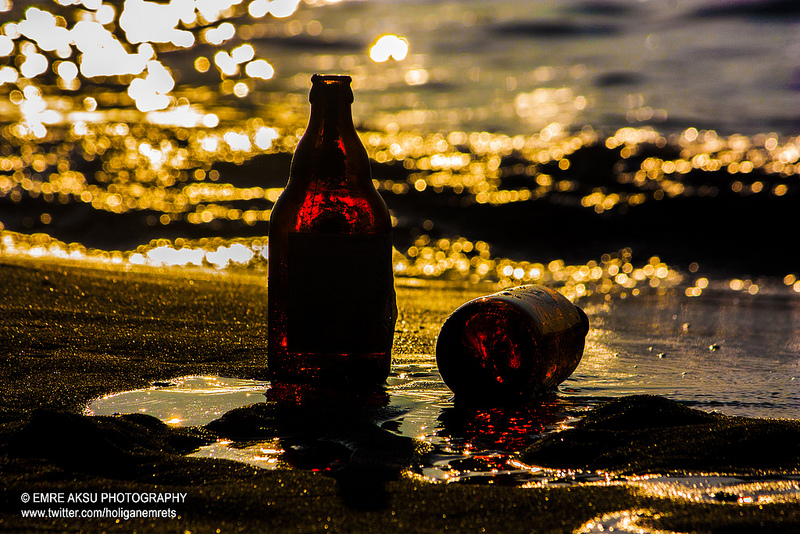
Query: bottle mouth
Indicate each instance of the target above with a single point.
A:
(331, 86)
(331, 79)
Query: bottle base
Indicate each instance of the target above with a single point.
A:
(347, 370)
(305, 394)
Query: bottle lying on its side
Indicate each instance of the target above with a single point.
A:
(514, 344)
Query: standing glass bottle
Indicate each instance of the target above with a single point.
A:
(331, 292)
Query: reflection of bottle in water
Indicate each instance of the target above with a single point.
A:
(331, 292)
(516, 343)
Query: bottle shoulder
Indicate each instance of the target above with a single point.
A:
(317, 208)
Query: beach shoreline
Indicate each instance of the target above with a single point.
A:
(73, 333)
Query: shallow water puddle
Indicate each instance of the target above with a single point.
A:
(263, 454)
(468, 446)
(198, 400)
(186, 401)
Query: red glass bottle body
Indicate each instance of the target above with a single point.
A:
(331, 293)
(511, 345)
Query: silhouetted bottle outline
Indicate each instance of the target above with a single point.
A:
(511, 345)
(331, 295)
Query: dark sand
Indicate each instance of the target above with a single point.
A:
(71, 333)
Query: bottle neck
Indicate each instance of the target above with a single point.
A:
(330, 123)
(330, 151)
(331, 113)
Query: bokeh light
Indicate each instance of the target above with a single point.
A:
(389, 47)
(130, 108)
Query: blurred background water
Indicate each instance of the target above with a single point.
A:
(634, 149)
(515, 67)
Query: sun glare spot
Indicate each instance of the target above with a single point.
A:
(243, 53)
(389, 47)
(225, 63)
(213, 10)
(211, 120)
(40, 26)
(210, 144)
(264, 137)
(183, 116)
(236, 253)
(88, 4)
(220, 34)
(145, 21)
(283, 8)
(104, 55)
(150, 92)
(259, 69)
(170, 256)
(105, 14)
(258, 8)
(34, 65)
(8, 75)
(237, 141)
(67, 70)
(278, 8)
(6, 46)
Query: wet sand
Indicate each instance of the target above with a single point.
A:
(72, 332)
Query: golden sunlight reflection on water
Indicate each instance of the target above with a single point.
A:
(169, 172)
(455, 260)
(709, 489)
(184, 401)
(464, 447)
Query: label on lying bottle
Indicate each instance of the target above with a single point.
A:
(341, 295)
(548, 309)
